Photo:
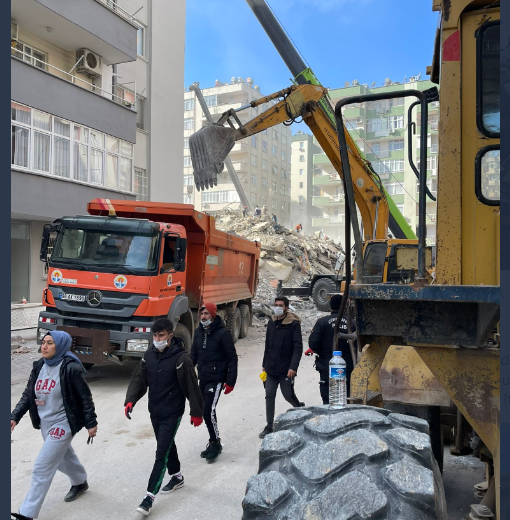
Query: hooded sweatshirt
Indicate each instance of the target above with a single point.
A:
(284, 345)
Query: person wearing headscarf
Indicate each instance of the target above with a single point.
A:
(60, 404)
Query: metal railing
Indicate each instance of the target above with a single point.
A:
(113, 6)
(79, 82)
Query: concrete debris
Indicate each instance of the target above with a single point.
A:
(285, 255)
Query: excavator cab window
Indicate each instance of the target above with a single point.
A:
(375, 258)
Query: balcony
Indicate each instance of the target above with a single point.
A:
(91, 24)
(321, 158)
(327, 221)
(240, 166)
(62, 94)
(239, 148)
(327, 180)
(327, 201)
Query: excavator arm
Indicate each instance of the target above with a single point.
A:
(210, 146)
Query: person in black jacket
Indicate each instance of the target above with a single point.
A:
(214, 353)
(282, 353)
(60, 404)
(321, 343)
(167, 371)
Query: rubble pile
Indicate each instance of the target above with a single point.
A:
(285, 255)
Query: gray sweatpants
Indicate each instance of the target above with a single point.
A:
(56, 454)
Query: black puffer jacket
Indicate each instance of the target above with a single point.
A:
(170, 378)
(284, 345)
(76, 394)
(214, 352)
(321, 340)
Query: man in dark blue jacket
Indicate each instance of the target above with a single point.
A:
(167, 372)
(321, 344)
(282, 353)
(214, 354)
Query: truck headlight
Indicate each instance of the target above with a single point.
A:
(137, 345)
(42, 333)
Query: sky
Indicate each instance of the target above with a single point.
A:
(342, 40)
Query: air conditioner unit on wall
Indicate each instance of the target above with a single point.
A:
(14, 31)
(90, 64)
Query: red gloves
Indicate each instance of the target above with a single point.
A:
(228, 389)
(309, 352)
(128, 410)
(196, 421)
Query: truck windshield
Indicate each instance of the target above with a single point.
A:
(112, 249)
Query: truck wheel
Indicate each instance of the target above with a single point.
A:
(320, 292)
(358, 462)
(182, 332)
(234, 324)
(88, 366)
(245, 320)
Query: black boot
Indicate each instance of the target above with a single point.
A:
(204, 453)
(267, 430)
(214, 450)
(76, 491)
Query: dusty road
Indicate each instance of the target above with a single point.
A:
(120, 460)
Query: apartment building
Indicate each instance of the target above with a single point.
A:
(262, 161)
(80, 126)
(380, 130)
(302, 175)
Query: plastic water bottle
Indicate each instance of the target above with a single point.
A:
(337, 381)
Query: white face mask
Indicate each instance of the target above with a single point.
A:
(278, 311)
(160, 345)
(206, 323)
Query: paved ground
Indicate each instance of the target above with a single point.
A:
(120, 460)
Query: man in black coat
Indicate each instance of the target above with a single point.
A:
(282, 353)
(214, 354)
(167, 371)
(321, 344)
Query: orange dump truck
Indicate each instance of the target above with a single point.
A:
(113, 272)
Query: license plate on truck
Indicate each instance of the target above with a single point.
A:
(72, 297)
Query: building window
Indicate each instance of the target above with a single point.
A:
(284, 139)
(254, 141)
(394, 165)
(273, 204)
(253, 179)
(211, 101)
(301, 158)
(395, 122)
(264, 182)
(397, 102)
(285, 175)
(254, 198)
(396, 145)
(275, 134)
(282, 189)
(188, 180)
(301, 184)
(301, 199)
(275, 170)
(140, 42)
(274, 151)
(301, 171)
(400, 207)
(376, 148)
(141, 184)
(44, 143)
(283, 155)
(187, 161)
(263, 200)
(394, 188)
(189, 123)
(186, 143)
(264, 165)
(217, 197)
(274, 186)
(264, 146)
(301, 144)
(30, 55)
(189, 104)
(253, 160)
(283, 207)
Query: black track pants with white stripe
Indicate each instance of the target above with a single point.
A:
(211, 393)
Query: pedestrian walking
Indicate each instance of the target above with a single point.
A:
(60, 404)
(215, 356)
(320, 343)
(282, 353)
(167, 371)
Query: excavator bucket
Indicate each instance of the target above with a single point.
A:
(209, 147)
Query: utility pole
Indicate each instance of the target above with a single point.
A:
(228, 162)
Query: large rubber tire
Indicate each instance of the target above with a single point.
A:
(182, 332)
(320, 291)
(233, 324)
(360, 462)
(245, 320)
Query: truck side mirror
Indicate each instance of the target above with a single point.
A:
(180, 255)
(43, 253)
